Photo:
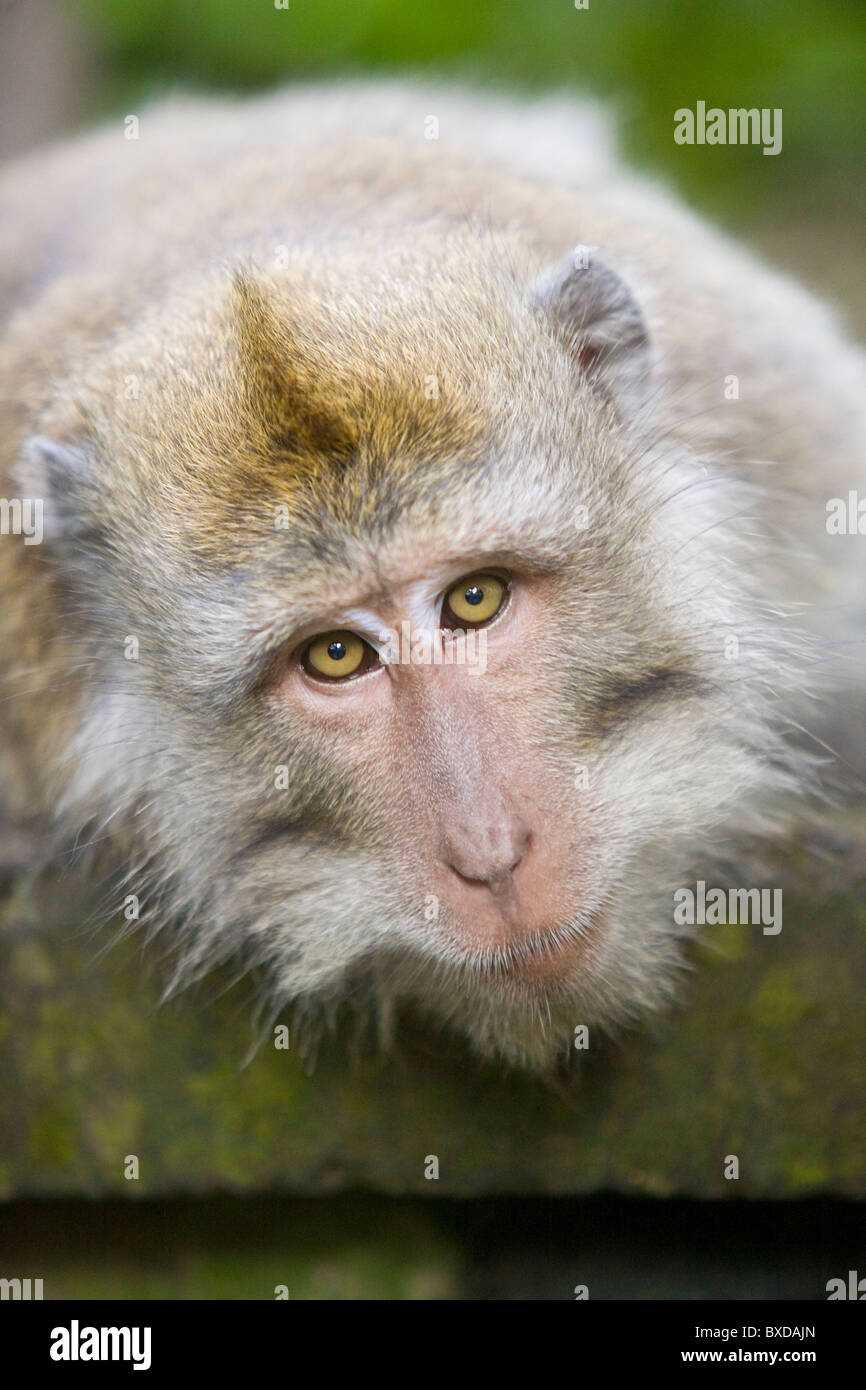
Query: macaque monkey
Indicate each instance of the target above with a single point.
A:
(415, 559)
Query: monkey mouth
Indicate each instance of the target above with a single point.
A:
(542, 955)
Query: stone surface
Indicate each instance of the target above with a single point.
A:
(763, 1058)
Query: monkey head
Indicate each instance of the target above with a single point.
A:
(394, 644)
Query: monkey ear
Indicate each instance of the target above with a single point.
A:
(600, 319)
(59, 476)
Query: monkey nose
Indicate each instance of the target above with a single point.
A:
(486, 854)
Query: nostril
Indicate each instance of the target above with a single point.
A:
(465, 877)
(522, 850)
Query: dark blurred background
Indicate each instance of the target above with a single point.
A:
(63, 65)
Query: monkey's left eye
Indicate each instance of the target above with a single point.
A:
(336, 656)
(474, 601)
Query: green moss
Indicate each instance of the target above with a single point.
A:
(807, 1175)
(30, 964)
(762, 1057)
(726, 943)
(52, 1141)
(784, 999)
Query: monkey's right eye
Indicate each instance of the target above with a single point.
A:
(337, 656)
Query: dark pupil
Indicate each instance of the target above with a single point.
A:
(336, 650)
(474, 594)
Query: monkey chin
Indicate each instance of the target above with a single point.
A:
(517, 1000)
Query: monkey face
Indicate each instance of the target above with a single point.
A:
(441, 714)
(429, 699)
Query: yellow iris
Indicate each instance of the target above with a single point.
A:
(336, 654)
(477, 598)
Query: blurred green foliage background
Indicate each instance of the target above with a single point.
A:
(806, 56)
